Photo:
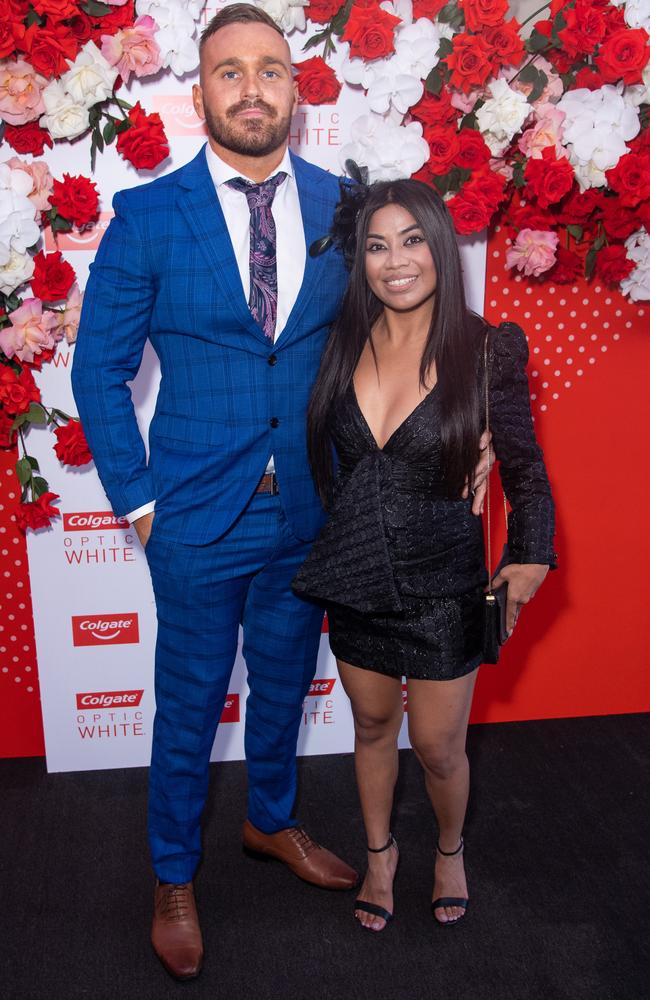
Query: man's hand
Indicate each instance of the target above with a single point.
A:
(143, 527)
(523, 580)
(485, 463)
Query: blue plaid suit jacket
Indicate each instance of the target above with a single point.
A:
(166, 271)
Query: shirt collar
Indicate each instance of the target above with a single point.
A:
(222, 172)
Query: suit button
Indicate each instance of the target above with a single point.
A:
(274, 422)
(273, 360)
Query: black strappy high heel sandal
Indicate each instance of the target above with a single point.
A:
(449, 900)
(373, 908)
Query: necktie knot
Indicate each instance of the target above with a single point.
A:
(258, 195)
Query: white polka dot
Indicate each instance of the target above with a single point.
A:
(548, 338)
(526, 315)
(641, 312)
(544, 385)
(598, 289)
(628, 325)
(534, 374)
(562, 302)
(494, 277)
(30, 689)
(516, 302)
(496, 253)
(556, 395)
(608, 302)
(493, 303)
(17, 679)
(567, 385)
(580, 372)
(616, 336)
(504, 315)
(583, 326)
(533, 395)
(558, 350)
(560, 326)
(573, 314)
(594, 336)
(538, 326)
(543, 407)
(605, 326)
(557, 373)
(540, 302)
(592, 361)
(535, 350)
(569, 361)
(574, 289)
(550, 315)
(595, 313)
(551, 290)
(604, 348)
(618, 312)
(571, 336)
(547, 361)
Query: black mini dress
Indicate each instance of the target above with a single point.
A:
(399, 565)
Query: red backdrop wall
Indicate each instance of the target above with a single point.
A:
(580, 647)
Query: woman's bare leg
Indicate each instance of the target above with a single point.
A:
(438, 712)
(378, 710)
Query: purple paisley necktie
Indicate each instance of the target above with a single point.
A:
(263, 297)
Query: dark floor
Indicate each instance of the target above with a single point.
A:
(557, 858)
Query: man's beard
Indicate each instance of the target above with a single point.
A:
(249, 137)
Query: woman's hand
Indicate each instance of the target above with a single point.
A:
(481, 472)
(523, 580)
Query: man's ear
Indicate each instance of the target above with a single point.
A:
(197, 100)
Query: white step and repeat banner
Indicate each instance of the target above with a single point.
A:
(93, 604)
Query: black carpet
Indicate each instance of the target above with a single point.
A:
(557, 860)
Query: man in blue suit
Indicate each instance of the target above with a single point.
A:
(215, 272)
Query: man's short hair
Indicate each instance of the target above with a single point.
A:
(238, 13)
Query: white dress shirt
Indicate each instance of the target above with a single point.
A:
(291, 250)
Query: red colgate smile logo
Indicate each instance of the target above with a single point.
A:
(104, 630)
(87, 238)
(178, 115)
(94, 520)
(321, 686)
(108, 699)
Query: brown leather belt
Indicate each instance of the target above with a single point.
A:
(268, 484)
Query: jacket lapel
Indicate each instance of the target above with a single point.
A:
(317, 213)
(200, 205)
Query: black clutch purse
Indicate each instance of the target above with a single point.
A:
(495, 632)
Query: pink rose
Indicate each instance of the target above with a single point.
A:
(465, 102)
(42, 181)
(499, 165)
(533, 252)
(551, 93)
(21, 88)
(547, 131)
(67, 319)
(134, 50)
(31, 331)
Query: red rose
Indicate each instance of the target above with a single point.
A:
(7, 435)
(612, 264)
(317, 82)
(370, 32)
(423, 175)
(81, 26)
(530, 217)
(506, 44)
(483, 13)
(12, 32)
(614, 19)
(557, 57)
(579, 206)
(17, 392)
(432, 110)
(588, 78)
(624, 56)
(473, 152)
(47, 49)
(427, 8)
(619, 222)
(144, 143)
(469, 212)
(443, 146)
(549, 178)
(29, 138)
(53, 277)
(585, 28)
(71, 446)
(55, 10)
(76, 199)
(488, 186)
(568, 266)
(37, 514)
(322, 11)
(630, 178)
(469, 62)
(108, 24)
(37, 362)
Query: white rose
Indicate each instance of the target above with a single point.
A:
(63, 118)
(287, 14)
(396, 90)
(18, 227)
(90, 78)
(596, 127)
(416, 47)
(179, 52)
(640, 92)
(16, 271)
(637, 14)
(169, 14)
(389, 151)
(637, 284)
(503, 114)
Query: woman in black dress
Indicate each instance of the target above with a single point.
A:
(400, 564)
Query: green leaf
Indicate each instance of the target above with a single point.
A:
(312, 42)
(96, 9)
(445, 48)
(537, 42)
(433, 83)
(94, 115)
(451, 14)
(340, 19)
(469, 121)
(39, 487)
(13, 302)
(34, 18)
(590, 262)
(109, 132)
(33, 463)
(599, 242)
(19, 421)
(62, 415)
(538, 79)
(23, 471)
(36, 414)
(61, 225)
(575, 231)
(518, 174)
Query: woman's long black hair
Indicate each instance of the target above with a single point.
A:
(449, 343)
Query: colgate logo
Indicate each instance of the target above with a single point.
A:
(107, 699)
(230, 709)
(178, 115)
(321, 686)
(101, 630)
(87, 238)
(93, 520)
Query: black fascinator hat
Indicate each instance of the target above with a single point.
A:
(342, 234)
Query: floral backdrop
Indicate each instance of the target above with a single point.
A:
(549, 132)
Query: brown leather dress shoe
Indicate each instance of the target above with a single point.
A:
(306, 859)
(175, 931)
